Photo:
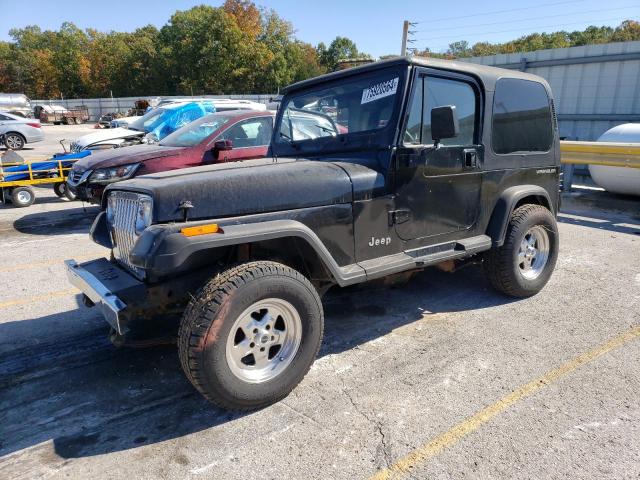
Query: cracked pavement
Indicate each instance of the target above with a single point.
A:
(398, 367)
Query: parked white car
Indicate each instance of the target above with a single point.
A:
(16, 131)
(221, 104)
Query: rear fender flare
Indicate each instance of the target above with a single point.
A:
(507, 202)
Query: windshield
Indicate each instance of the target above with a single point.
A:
(166, 120)
(195, 132)
(340, 109)
(142, 124)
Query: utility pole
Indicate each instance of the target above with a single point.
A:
(405, 33)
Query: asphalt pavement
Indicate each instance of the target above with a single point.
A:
(440, 378)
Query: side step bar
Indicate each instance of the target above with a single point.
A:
(425, 256)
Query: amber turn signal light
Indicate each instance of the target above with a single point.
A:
(201, 230)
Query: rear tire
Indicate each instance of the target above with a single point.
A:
(23, 196)
(250, 335)
(522, 266)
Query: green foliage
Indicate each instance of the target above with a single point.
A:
(626, 31)
(236, 48)
(339, 50)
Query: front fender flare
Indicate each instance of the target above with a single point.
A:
(162, 249)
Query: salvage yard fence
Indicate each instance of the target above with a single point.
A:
(101, 106)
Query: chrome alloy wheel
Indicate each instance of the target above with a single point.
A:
(264, 340)
(14, 142)
(534, 252)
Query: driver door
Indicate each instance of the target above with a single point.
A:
(438, 189)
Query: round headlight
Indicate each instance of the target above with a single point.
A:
(111, 205)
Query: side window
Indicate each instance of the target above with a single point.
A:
(434, 92)
(522, 119)
(440, 92)
(2, 117)
(255, 132)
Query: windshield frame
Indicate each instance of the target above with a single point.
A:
(367, 139)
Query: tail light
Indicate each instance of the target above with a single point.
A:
(34, 125)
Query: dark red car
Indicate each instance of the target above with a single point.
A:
(218, 137)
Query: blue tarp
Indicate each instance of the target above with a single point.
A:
(170, 118)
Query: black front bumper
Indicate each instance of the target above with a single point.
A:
(128, 303)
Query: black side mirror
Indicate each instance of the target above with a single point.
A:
(221, 146)
(444, 123)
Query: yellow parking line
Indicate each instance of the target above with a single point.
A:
(38, 298)
(469, 425)
(57, 261)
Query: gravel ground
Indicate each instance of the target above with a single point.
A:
(442, 378)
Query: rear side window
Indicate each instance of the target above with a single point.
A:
(521, 117)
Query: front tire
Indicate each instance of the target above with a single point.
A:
(14, 141)
(250, 335)
(59, 189)
(522, 266)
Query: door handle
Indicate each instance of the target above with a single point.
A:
(470, 158)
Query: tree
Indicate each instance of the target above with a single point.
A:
(236, 48)
(459, 49)
(628, 30)
(69, 45)
(246, 14)
(341, 48)
(205, 50)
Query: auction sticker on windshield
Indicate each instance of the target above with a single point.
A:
(381, 90)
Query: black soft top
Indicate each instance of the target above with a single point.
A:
(485, 74)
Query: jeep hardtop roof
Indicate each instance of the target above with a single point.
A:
(485, 74)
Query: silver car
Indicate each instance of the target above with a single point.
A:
(17, 131)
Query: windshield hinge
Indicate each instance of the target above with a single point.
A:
(396, 217)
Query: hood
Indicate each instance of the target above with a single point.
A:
(106, 134)
(242, 188)
(122, 156)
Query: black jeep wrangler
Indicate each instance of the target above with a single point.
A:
(373, 171)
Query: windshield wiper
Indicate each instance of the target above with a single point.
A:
(325, 129)
(291, 141)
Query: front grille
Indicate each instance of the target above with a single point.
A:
(125, 207)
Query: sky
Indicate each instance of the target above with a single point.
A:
(375, 25)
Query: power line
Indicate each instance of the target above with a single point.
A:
(527, 28)
(501, 11)
(524, 19)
